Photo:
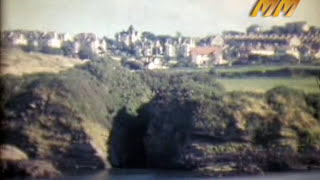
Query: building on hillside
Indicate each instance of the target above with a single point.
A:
(88, 41)
(204, 56)
(156, 63)
(147, 52)
(66, 37)
(53, 40)
(134, 35)
(186, 46)
(123, 37)
(262, 52)
(169, 49)
(85, 38)
(138, 50)
(292, 48)
(217, 41)
(128, 37)
(76, 45)
(294, 42)
(98, 46)
(147, 48)
(158, 48)
(18, 39)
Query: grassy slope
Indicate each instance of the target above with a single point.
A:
(263, 84)
(16, 62)
(245, 68)
(264, 68)
(260, 78)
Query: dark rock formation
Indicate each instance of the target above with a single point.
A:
(85, 156)
(126, 146)
(29, 168)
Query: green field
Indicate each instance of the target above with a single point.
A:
(257, 84)
(243, 69)
(265, 68)
(261, 78)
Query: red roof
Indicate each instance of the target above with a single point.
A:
(205, 50)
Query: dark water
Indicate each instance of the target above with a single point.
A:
(173, 175)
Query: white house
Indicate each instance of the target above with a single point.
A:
(294, 42)
(66, 37)
(186, 47)
(262, 52)
(19, 40)
(292, 48)
(76, 46)
(134, 35)
(53, 40)
(217, 41)
(156, 63)
(169, 49)
(99, 46)
(124, 38)
(147, 48)
(158, 48)
(128, 37)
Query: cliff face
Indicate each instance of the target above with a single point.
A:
(220, 133)
(233, 133)
(48, 130)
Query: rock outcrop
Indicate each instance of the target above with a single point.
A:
(11, 153)
(43, 129)
(31, 168)
(15, 163)
(230, 134)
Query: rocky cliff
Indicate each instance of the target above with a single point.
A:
(232, 133)
(99, 115)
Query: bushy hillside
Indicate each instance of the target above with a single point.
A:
(68, 115)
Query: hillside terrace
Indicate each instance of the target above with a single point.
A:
(297, 45)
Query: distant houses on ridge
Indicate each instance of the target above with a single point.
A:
(295, 42)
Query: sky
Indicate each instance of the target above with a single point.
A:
(106, 17)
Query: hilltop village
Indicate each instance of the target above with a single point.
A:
(293, 43)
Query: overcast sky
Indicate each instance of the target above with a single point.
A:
(105, 17)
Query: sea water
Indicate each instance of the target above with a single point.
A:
(174, 175)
